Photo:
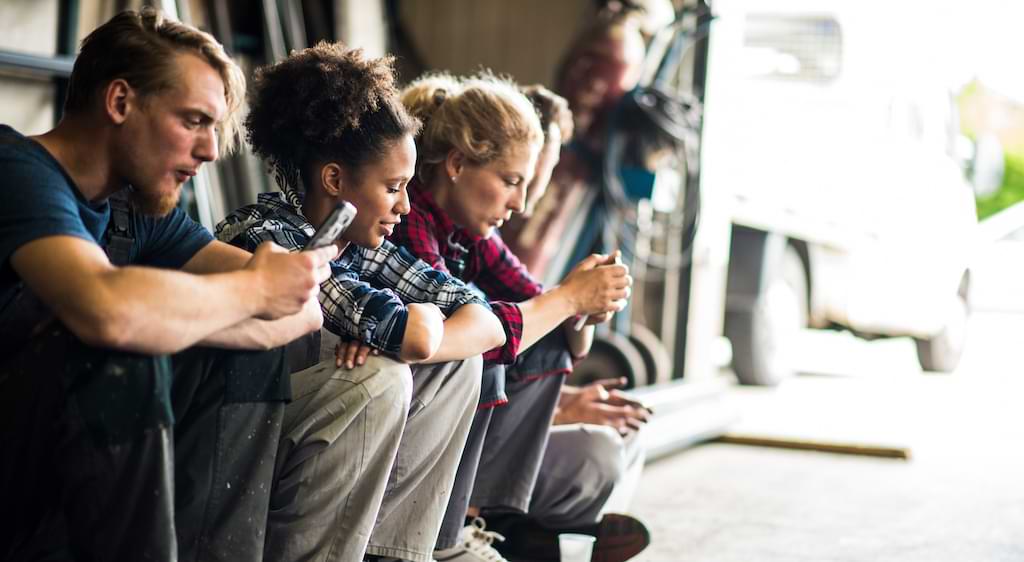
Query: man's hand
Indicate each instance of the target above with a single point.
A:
(352, 353)
(599, 403)
(284, 280)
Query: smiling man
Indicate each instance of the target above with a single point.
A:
(142, 385)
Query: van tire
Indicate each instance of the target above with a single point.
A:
(764, 337)
(612, 356)
(657, 360)
(942, 353)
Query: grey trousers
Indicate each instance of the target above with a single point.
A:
(339, 439)
(515, 444)
(588, 470)
(506, 446)
(228, 406)
(444, 397)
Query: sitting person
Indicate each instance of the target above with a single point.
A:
(594, 456)
(142, 382)
(478, 151)
(590, 471)
(329, 122)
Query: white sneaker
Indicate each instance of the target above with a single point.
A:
(474, 545)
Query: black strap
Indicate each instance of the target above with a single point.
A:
(456, 265)
(120, 235)
(24, 315)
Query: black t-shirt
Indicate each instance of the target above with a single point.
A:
(38, 199)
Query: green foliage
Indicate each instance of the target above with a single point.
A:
(969, 97)
(1009, 192)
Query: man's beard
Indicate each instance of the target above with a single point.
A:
(153, 205)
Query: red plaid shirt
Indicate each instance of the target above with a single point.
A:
(430, 235)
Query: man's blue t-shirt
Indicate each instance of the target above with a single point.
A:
(38, 199)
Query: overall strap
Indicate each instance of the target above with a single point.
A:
(120, 235)
(24, 316)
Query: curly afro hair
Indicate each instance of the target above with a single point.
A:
(327, 102)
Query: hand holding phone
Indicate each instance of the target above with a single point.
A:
(616, 258)
(332, 228)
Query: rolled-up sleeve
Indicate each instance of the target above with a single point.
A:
(512, 321)
(414, 280)
(354, 309)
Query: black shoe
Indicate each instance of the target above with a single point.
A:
(619, 538)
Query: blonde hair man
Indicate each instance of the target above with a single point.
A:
(125, 438)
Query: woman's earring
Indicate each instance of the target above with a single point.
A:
(453, 179)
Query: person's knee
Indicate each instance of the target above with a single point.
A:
(120, 395)
(379, 379)
(395, 380)
(603, 448)
(249, 375)
(470, 377)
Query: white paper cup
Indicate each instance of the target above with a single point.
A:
(575, 548)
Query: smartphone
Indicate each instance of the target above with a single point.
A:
(333, 227)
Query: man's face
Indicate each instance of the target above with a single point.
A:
(168, 135)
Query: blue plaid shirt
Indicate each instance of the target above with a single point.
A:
(365, 297)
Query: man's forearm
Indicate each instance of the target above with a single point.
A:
(159, 311)
(268, 334)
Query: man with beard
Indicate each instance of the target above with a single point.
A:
(141, 389)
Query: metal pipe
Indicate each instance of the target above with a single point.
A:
(36, 65)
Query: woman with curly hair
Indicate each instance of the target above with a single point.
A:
(329, 123)
(478, 151)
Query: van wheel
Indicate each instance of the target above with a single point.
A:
(611, 356)
(657, 361)
(764, 339)
(942, 353)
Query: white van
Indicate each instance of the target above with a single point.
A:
(832, 130)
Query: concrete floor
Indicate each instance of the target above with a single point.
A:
(959, 498)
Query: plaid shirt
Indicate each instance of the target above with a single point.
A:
(365, 297)
(430, 235)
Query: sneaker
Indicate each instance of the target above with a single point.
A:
(619, 538)
(475, 545)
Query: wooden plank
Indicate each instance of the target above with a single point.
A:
(883, 451)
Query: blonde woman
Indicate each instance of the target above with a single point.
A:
(478, 151)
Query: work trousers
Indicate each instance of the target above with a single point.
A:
(420, 481)
(588, 470)
(444, 397)
(340, 436)
(119, 456)
(503, 455)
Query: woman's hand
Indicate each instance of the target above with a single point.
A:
(598, 285)
(352, 353)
